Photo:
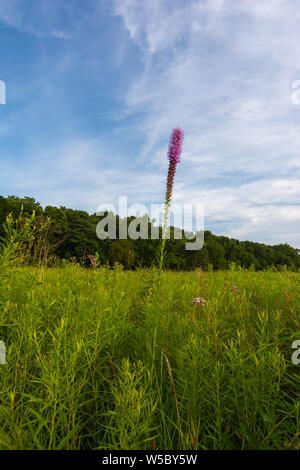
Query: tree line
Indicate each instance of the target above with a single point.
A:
(72, 236)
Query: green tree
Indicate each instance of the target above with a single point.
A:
(122, 251)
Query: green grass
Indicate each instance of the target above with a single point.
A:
(109, 359)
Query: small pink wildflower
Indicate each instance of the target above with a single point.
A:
(198, 300)
(234, 289)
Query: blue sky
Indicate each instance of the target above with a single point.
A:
(95, 87)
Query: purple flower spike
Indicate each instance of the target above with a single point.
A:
(175, 145)
(174, 153)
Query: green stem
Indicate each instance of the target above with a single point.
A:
(162, 251)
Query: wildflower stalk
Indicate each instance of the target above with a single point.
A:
(174, 153)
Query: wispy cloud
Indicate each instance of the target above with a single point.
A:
(39, 18)
(77, 173)
(89, 116)
(223, 71)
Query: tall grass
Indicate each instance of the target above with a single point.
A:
(109, 359)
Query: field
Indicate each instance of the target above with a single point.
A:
(113, 359)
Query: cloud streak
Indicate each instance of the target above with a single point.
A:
(40, 18)
(95, 88)
(223, 71)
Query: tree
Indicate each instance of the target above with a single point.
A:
(73, 233)
(216, 254)
(122, 251)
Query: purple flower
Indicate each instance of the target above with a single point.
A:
(174, 153)
(175, 145)
(234, 289)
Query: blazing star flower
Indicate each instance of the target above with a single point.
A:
(174, 153)
(198, 300)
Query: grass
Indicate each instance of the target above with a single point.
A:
(112, 359)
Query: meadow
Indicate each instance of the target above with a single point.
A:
(114, 359)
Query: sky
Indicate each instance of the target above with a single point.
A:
(94, 89)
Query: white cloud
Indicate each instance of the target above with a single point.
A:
(79, 174)
(40, 19)
(222, 70)
(255, 211)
